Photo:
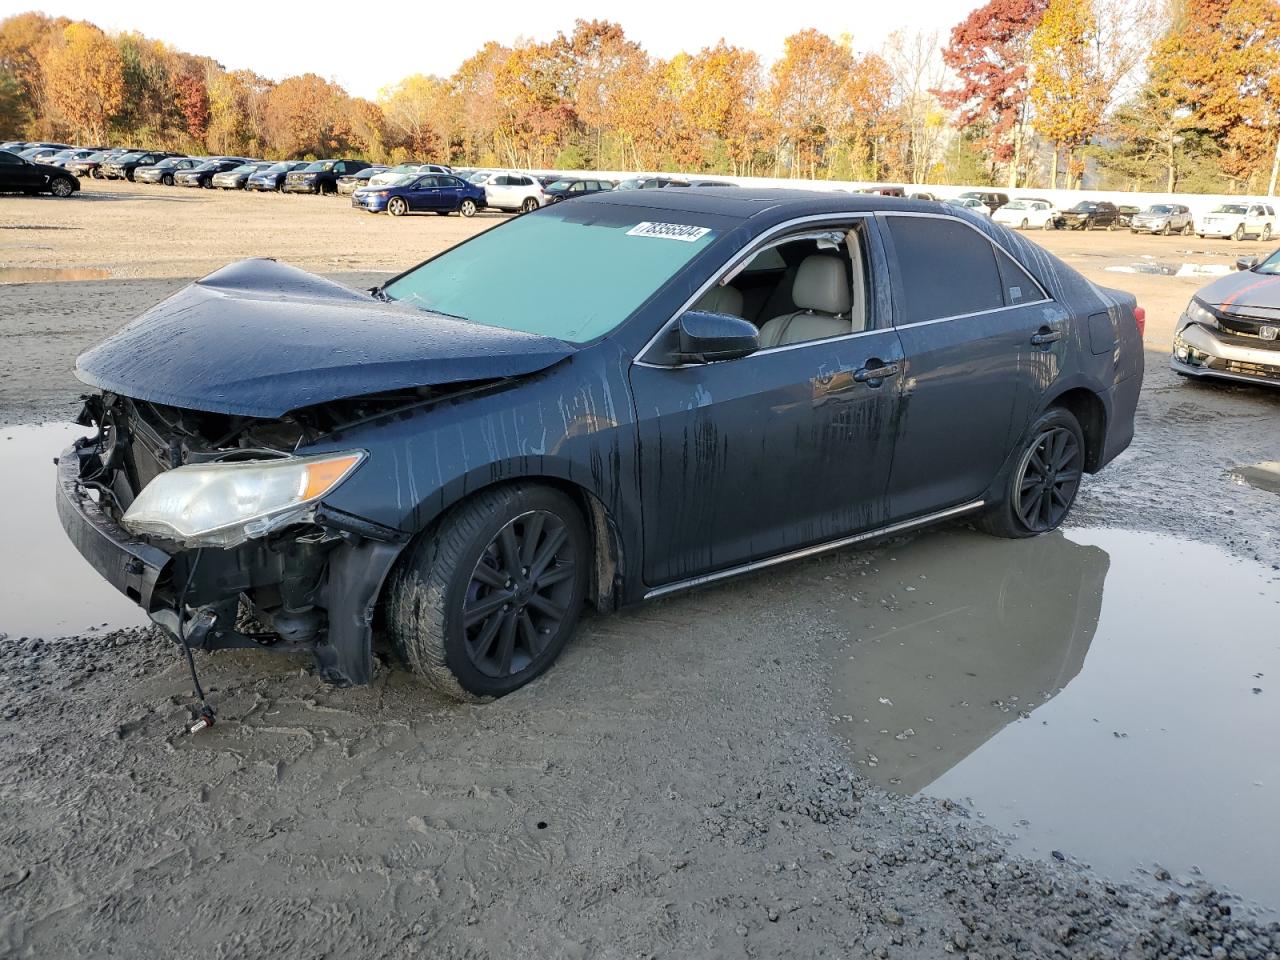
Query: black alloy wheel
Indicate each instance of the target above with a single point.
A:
(485, 600)
(519, 594)
(1047, 479)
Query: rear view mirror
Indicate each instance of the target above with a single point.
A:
(705, 337)
(1246, 263)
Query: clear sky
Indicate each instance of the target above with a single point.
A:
(366, 46)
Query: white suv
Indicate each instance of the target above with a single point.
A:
(1238, 220)
(512, 190)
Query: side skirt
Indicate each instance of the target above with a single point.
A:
(814, 550)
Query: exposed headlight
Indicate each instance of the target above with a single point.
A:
(225, 504)
(1195, 311)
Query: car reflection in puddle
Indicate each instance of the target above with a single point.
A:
(46, 588)
(1109, 694)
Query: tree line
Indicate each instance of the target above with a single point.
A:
(1134, 94)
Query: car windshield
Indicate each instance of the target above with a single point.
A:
(279, 168)
(398, 180)
(128, 158)
(1159, 208)
(170, 162)
(492, 280)
(208, 165)
(245, 168)
(406, 167)
(561, 184)
(1084, 207)
(635, 183)
(320, 166)
(1018, 205)
(1271, 265)
(1229, 208)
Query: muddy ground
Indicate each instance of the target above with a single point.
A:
(671, 788)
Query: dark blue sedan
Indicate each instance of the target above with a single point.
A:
(466, 456)
(421, 193)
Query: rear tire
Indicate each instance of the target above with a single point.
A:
(529, 205)
(468, 208)
(1187, 230)
(1266, 233)
(513, 560)
(62, 187)
(167, 179)
(1044, 481)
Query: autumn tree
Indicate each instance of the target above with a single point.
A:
(421, 115)
(25, 42)
(192, 99)
(804, 96)
(1217, 65)
(721, 103)
(84, 81)
(600, 60)
(303, 116)
(1067, 94)
(989, 53)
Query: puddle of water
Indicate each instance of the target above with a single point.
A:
(46, 588)
(1108, 694)
(50, 274)
(1264, 475)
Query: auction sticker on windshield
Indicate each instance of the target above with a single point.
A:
(669, 231)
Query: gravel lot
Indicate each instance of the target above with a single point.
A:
(670, 789)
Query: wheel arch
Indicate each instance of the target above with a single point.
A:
(1090, 411)
(605, 586)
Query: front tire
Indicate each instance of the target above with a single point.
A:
(1239, 234)
(397, 207)
(1044, 481)
(484, 602)
(1024, 225)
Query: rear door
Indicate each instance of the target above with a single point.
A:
(967, 316)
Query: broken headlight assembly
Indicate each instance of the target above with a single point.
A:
(223, 504)
(1196, 312)
(1183, 352)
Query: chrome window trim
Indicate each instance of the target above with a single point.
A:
(811, 551)
(766, 240)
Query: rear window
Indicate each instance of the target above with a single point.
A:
(492, 280)
(946, 269)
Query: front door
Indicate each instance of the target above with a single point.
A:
(789, 447)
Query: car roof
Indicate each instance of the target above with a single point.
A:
(768, 202)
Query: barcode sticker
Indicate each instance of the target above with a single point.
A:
(669, 231)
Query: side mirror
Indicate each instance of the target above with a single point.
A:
(705, 337)
(1246, 263)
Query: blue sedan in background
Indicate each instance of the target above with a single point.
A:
(421, 193)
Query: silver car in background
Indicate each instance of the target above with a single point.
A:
(1231, 328)
(1163, 218)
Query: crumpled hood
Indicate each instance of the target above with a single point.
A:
(259, 338)
(1257, 294)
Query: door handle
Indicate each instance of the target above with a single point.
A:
(1045, 337)
(870, 374)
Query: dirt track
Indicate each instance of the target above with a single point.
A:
(671, 788)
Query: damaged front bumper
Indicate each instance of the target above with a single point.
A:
(311, 588)
(1201, 352)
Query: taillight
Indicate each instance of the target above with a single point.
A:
(1140, 318)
